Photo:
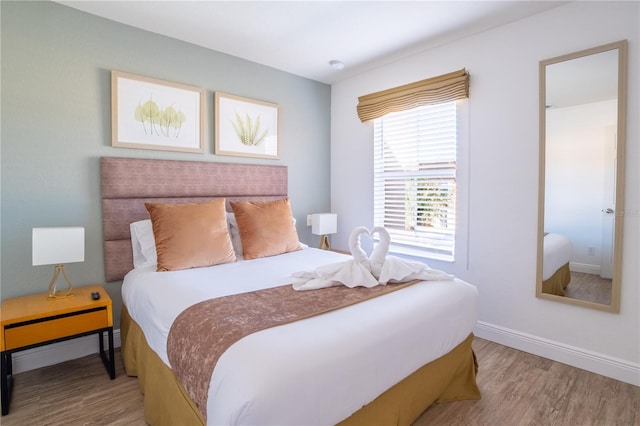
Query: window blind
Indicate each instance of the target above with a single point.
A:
(443, 88)
(415, 178)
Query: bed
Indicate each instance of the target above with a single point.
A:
(556, 274)
(380, 361)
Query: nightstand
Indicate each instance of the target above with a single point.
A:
(35, 320)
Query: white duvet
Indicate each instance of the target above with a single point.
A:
(557, 251)
(316, 371)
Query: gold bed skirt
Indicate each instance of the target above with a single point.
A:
(449, 378)
(558, 281)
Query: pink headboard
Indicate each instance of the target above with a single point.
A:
(128, 183)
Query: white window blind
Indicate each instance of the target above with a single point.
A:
(415, 179)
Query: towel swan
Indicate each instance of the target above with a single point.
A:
(366, 271)
(351, 273)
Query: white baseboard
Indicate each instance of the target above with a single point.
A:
(594, 362)
(55, 353)
(585, 268)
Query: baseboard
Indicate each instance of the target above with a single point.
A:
(594, 362)
(585, 268)
(55, 353)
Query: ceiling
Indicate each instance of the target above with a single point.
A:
(301, 37)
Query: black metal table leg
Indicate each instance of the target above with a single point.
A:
(109, 362)
(6, 377)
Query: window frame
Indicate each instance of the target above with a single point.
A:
(461, 234)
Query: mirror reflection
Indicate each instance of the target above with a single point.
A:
(582, 155)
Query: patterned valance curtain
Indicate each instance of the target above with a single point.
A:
(443, 88)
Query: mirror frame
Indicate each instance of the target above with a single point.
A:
(621, 46)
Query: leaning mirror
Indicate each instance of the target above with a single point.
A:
(581, 200)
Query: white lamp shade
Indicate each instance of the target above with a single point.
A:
(52, 246)
(324, 223)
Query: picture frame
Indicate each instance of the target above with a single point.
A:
(148, 113)
(246, 127)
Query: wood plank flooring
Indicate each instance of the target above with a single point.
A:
(589, 287)
(523, 389)
(517, 389)
(77, 392)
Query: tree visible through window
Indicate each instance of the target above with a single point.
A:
(415, 179)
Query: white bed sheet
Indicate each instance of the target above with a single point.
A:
(316, 371)
(557, 251)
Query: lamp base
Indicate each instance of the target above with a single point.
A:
(53, 292)
(324, 242)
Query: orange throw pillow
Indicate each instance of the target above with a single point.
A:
(266, 227)
(190, 235)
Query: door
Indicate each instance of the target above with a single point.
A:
(609, 203)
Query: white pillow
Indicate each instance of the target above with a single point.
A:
(143, 243)
(234, 233)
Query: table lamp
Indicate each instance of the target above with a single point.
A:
(56, 246)
(324, 224)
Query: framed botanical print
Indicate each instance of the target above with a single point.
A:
(245, 127)
(148, 113)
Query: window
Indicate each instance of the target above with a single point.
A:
(415, 179)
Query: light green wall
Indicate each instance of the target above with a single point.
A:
(56, 124)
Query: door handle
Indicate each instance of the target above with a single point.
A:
(608, 211)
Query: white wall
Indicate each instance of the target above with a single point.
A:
(503, 199)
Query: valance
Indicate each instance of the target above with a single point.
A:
(443, 88)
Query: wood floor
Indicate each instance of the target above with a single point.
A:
(517, 389)
(77, 392)
(589, 287)
(523, 389)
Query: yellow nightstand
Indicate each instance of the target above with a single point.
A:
(35, 320)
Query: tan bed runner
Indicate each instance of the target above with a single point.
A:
(204, 331)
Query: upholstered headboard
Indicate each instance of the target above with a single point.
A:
(128, 183)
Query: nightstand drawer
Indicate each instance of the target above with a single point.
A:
(46, 329)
